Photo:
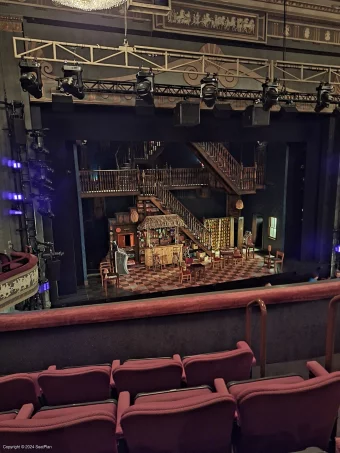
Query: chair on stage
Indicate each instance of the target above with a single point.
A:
(111, 278)
(278, 260)
(217, 261)
(238, 256)
(268, 259)
(104, 265)
(184, 274)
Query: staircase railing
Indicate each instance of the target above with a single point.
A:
(130, 180)
(171, 203)
(146, 150)
(244, 178)
(225, 161)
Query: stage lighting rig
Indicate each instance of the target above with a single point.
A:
(72, 82)
(270, 94)
(209, 90)
(30, 78)
(324, 96)
(145, 86)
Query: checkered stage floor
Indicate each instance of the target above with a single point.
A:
(141, 281)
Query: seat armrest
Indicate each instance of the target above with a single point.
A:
(25, 412)
(177, 358)
(245, 347)
(220, 386)
(123, 404)
(52, 368)
(315, 369)
(115, 366)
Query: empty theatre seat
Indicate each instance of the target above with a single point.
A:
(82, 428)
(286, 414)
(9, 415)
(17, 390)
(183, 421)
(147, 375)
(75, 385)
(229, 365)
(337, 444)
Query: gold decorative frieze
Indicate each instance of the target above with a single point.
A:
(304, 5)
(11, 24)
(304, 32)
(205, 20)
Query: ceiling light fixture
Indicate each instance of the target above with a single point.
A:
(91, 5)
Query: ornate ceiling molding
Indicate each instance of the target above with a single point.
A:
(304, 5)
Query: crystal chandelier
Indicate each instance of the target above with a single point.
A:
(91, 5)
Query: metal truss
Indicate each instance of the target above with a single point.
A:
(162, 60)
(184, 91)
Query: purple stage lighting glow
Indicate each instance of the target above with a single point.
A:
(15, 212)
(12, 196)
(11, 163)
(337, 248)
(44, 287)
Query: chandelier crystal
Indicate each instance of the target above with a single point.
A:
(91, 5)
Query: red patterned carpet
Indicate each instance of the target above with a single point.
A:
(141, 281)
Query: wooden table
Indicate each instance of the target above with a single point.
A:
(196, 270)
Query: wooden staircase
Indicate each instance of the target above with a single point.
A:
(149, 153)
(167, 203)
(235, 178)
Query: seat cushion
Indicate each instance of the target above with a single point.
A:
(81, 410)
(7, 416)
(238, 388)
(171, 395)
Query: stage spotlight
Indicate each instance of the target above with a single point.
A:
(209, 90)
(324, 96)
(289, 108)
(270, 95)
(30, 78)
(145, 86)
(72, 82)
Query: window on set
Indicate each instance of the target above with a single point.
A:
(272, 227)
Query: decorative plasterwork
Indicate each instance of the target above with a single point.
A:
(205, 20)
(304, 32)
(18, 288)
(304, 5)
(11, 24)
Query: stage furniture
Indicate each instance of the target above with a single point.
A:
(237, 256)
(278, 260)
(268, 258)
(185, 274)
(227, 255)
(166, 252)
(125, 235)
(104, 265)
(197, 269)
(248, 245)
(110, 278)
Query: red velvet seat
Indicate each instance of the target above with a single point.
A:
(17, 390)
(85, 429)
(337, 444)
(75, 385)
(9, 415)
(186, 421)
(229, 365)
(286, 415)
(147, 375)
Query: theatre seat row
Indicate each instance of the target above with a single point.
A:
(100, 382)
(281, 415)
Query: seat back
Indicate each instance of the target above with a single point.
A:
(288, 417)
(192, 425)
(17, 390)
(75, 385)
(148, 375)
(229, 365)
(280, 255)
(85, 432)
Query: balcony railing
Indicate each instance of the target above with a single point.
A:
(18, 280)
(111, 181)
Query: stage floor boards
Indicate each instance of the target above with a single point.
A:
(141, 281)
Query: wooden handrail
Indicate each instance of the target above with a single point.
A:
(263, 344)
(330, 335)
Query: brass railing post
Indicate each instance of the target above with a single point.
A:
(263, 341)
(330, 335)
